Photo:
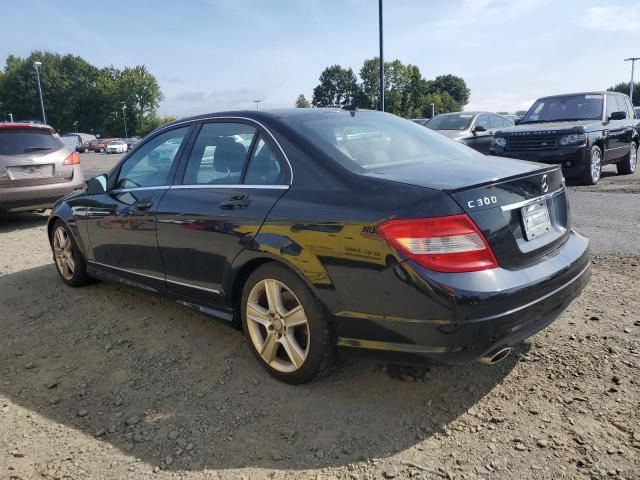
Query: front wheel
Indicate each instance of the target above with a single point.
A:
(627, 165)
(592, 172)
(69, 262)
(286, 327)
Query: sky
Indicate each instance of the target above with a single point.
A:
(212, 55)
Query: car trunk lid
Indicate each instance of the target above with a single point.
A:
(520, 207)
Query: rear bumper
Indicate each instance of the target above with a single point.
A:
(572, 159)
(35, 197)
(487, 310)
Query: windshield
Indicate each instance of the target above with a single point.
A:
(367, 141)
(456, 121)
(565, 108)
(16, 141)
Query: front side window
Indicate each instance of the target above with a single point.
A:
(150, 165)
(371, 141)
(483, 121)
(265, 168)
(565, 108)
(218, 154)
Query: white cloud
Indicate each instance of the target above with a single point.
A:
(611, 19)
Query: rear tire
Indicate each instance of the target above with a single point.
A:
(591, 174)
(101, 150)
(286, 327)
(67, 257)
(628, 164)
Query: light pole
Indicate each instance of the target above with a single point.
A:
(381, 57)
(75, 126)
(257, 102)
(37, 65)
(633, 62)
(11, 117)
(433, 110)
(124, 107)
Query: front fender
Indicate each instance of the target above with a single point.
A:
(68, 214)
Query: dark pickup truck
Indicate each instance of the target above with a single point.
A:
(581, 132)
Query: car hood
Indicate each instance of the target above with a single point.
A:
(459, 173)
(454, 134)
(582, 125)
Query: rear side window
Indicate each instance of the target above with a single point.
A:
(17, 141)
(219, 154)
(264, 166)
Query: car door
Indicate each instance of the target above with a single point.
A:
(226, 186)
(481, 140)
(614, 144)
(121, 223)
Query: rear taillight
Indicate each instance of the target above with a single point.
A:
(444, 244)
(73, 159)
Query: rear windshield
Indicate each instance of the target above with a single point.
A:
(369, 141)
(450, 122)
(565, 108)
(18, 141)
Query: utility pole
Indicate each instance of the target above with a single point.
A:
(37, 65)
(381, 57)
(633, 62)
(11, 117)
(433, 110)
(75, 126)
(257, 102)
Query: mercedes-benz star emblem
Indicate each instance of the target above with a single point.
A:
(545, 184)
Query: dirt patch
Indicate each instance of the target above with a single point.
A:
(111, 382)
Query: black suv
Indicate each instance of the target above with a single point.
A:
(580, 131)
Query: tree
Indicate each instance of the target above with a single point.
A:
(75, 90)
(338, 86)
(443, 103)
(624, 88)
(302, 102)
(456, 87)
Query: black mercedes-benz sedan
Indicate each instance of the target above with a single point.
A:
(316, 228)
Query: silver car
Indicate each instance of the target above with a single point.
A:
(36, 167)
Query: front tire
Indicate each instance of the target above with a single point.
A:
(628, 164)
(69, 262)
(287, 328)
(591, 174)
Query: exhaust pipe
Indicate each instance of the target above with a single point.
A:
(496, 356)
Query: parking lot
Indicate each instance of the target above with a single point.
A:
(124, 384)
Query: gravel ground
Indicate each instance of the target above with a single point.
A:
(110, 382)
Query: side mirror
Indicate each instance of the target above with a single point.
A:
(517, 121)
(479, 128)
(618, 116)
(97, 185)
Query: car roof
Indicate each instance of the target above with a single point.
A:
(22, 125)
(596, 92)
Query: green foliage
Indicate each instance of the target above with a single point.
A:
(407, 93)
(152, 121)
(75, 90)
(302, 102)
(337, 87)
(624, 88)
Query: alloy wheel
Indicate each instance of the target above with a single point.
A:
(633, 157)
(63, 253)
(596, 164)
(277, 325)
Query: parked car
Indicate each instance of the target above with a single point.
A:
(515, 119)
(131, 142)
(579, 131)
(350, 228)
(82, 138)
(116, 146)
(36, 168)
(473, 129)
(71, 142)
(420, 121)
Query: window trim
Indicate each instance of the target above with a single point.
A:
(250, 156)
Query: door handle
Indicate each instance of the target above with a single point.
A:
(236, 201)
(144, 204)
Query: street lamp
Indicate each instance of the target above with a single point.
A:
(257, 102)
(633, 62)
(433, 110)
(11, 117)
(75, 126)
(124, 119)
(36, 66)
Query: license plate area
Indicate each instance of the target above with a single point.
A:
(535, 218)
(30, 171)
